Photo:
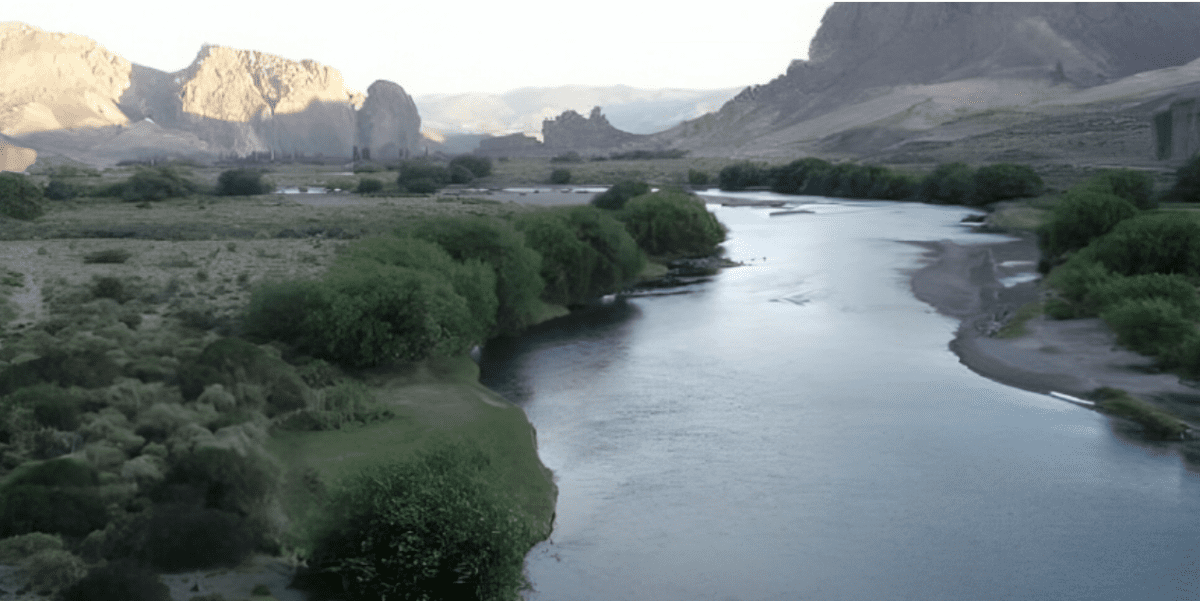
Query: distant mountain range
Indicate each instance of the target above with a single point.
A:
(635, 110)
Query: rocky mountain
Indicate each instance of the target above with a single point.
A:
(635, 110)
(568, 132)
(913, 81)
(65, 94)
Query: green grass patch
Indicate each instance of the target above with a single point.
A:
(1156, 424)
(434, 401)
(1015, 326)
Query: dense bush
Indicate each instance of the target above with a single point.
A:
(86, 369)
(16, 548)
(477, 165)
(740, 176)
(950, 183)
(460, 175)
(471, 278)
(157, 183)
(57, 496)
(1187, 182)
(218, 478)
(106, 256)
(671, 222)
(1082, 215)
(365, 314)
(243, 182)
(560, 176)
(421, 176)
(434, 528)
(1164, 243)
(500, 245)
(190, 537)
(367, 185)
(567, 157)
(1135, 186)
(615, 197)
(585, 253)
(1173, 288)
(121, 580)
(1148, 325)
(61, 189)
(54, 569)
(236, 363)
(1003, 181)
(697, 177)
(19, 197)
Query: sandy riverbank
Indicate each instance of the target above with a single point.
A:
(1073, 356)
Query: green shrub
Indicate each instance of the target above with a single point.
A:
(219, 478)
(243, 182)
(367, 185)
(1173, 288)
(86, 369)
(668, 223)
(67, 510)
(260, 590)
(585, 253)
(560, 176)
(110, 287)
(190, 537)
(1154, 243)
(158, 183)
(1082, 215)
(1148, 325)
(233, 363)
(111, 255)
(120, 580)
(950, 183)
(740, 176)
(16, 548)
(53, 569)
(615, 197)
(56, 408)
(1187, 182)
(19, 197)
(460, 175)
(499, 245)
(421, 176)
(477, 165)
(567, 157)
(60, 189)
(1135, 186)
(1003, 181)
(1156, 425)
(697, 177)
(472, 278)
(432, 528)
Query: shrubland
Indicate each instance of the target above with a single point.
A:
(134, 423)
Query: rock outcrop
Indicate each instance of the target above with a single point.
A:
(65, 94)
(572, 131)
(388, 124)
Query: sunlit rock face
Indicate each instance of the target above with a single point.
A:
(66, 95)
(389, 126)
(51, 81)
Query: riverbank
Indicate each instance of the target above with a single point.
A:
(1071, 356)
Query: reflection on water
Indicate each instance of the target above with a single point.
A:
(797, 428)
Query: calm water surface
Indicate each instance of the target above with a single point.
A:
(798, 429)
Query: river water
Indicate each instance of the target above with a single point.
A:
(797, 428)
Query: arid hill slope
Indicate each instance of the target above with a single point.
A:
(910, 82)
(63, 94)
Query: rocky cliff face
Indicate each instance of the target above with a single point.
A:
(914, 66)
(66, 94)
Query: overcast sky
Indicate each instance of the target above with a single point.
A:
(473, 45)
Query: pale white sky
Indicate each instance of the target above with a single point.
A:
(459, 46)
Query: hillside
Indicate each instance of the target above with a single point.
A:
(65, 95)
(926, 82)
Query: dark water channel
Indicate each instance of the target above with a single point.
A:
(798, 429)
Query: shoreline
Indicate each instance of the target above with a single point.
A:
(1073, 356)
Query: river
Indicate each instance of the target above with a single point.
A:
(797, 428)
